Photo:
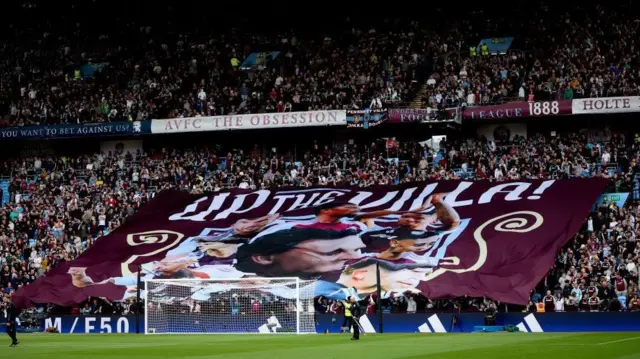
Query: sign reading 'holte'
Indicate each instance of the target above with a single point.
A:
(605, 105)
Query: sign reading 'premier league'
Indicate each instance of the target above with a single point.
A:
(449, 238)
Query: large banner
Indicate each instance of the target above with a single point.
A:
(250, 121)
(123, 128)
(443, 239)
(517, 110)
(524, 109)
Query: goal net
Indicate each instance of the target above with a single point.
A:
(230, 306)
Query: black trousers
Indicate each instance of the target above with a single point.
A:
(11, 331)
(356, 328)
(347, 322)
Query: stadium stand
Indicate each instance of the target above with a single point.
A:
(556, 55)
(167, 71)
(56, 205)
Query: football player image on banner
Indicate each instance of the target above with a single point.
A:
(202, 257)
(442, 239)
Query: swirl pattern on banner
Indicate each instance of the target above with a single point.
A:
(152, 237)
(167, 238)
(515, 222)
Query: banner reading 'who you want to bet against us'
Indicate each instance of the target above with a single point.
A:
(443, 239)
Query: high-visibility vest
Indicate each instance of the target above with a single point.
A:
(347, 311)
(484, 49)
(473, 51)
(235, 62)
(77, 75)
(540, 307)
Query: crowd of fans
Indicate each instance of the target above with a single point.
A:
(56, 207)
(134, 71)
(557, 54)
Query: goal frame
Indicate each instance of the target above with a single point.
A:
(178, 280)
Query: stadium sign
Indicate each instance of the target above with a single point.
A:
(619, 198)
(517, 110)
(420, 115)
(122, 128)
(79, 324)
(250, 121)
(393, 323)
(563, 322)
(496, 45)
(256, 59)
(449, 238)
(606, 105)
(366, 118)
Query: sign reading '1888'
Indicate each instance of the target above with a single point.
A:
(518, 110)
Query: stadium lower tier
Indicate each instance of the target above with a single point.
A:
(392, 323)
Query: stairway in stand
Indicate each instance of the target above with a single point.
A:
(417, 100)
(4, 187)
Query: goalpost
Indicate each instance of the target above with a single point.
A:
(229, 306)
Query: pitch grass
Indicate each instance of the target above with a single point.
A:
(333, 346)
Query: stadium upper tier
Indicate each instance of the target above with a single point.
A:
(74, 68)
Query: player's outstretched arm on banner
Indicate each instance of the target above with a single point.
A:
(80, 279)
(446, 214)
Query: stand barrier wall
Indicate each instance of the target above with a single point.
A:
(538, 322)
(393, 323)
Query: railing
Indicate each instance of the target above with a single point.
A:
(499, 102)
